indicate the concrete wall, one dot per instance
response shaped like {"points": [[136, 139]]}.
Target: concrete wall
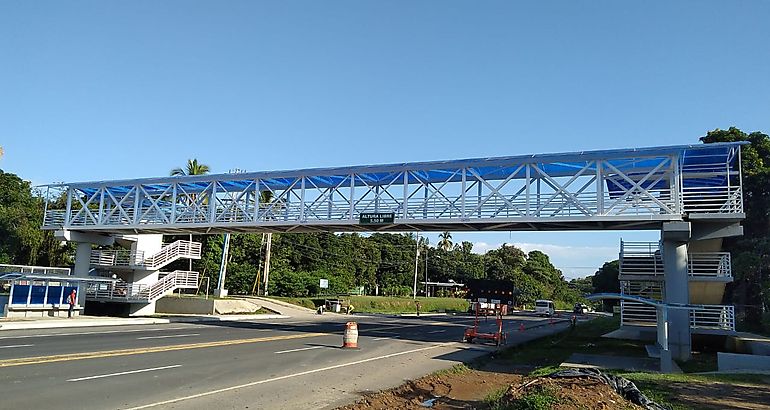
{"points": [[736, 361], [192, 306], [706, 292]]}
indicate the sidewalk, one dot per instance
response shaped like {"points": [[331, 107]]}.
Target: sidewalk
{"points": [[93, 321]]}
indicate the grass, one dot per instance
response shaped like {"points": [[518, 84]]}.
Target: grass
{"points": [[539, 398], [494, 400], [386, 304], [585, 338], [459, 368]]}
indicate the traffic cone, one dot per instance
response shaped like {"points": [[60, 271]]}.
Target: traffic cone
{"points": [[521, 327]]}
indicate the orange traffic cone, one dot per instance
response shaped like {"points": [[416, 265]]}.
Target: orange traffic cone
{"points": [[521, 327]]}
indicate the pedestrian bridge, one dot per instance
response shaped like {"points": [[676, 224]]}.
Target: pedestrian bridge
{"points": [[636, 188]]}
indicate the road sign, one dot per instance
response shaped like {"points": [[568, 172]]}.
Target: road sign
{"points": [[324, 283], [376, 218]]}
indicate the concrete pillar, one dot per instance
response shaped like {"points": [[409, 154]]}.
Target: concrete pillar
{"points": [[82, 259], [82, 266], [675, 236], [150, 245]]}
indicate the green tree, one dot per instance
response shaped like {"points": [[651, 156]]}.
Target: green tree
{"points": [[21, 239]]}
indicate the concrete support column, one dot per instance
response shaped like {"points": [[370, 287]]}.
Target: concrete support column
{"points": [[82, 259], [82, 266], [675, 236]]}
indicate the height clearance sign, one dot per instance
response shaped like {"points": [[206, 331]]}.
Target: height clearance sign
{"points": [[376, 218]]}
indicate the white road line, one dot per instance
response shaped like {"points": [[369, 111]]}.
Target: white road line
{"points": [[289, 376], [167, 336], [300, 349], [387, 337], [92, 333], [12, 346], [101, 376], [438, 331]]}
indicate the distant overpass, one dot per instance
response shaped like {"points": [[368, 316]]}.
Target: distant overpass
{"points": [[638, 188]]}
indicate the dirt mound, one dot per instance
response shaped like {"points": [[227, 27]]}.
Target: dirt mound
{"points": [[461, 390], [565, 393]]}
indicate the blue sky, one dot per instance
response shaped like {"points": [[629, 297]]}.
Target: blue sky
{"points": [[98, 90]]}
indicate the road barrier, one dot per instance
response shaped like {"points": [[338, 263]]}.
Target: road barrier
{"points": [[350, 337]]}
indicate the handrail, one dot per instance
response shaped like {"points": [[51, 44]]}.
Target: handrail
{"points": [[142, 292], [167, 254], [645, 258], [719, 317]]}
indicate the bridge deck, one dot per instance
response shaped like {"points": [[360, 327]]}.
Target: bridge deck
{"points": [[615, 189]]}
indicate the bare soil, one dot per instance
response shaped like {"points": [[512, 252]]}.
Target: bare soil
{"points": [[468, 389], [465, 390], [720, 396]]}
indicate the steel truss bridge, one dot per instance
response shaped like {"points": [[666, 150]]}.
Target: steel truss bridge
{"points": [[613, 189]]}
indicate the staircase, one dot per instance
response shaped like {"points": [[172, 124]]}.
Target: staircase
{"points": [[136, 259], [642, 274], [140, 292]]}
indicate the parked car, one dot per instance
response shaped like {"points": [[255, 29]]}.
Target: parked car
{"points": [[544, 307]]}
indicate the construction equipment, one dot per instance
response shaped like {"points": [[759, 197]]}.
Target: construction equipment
{"points": [[498, 337]]}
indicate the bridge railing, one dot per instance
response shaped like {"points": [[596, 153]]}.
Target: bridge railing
{"points": [[450, 207]]}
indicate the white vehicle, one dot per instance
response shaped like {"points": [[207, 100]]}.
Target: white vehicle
{"points": [[544, 307]]}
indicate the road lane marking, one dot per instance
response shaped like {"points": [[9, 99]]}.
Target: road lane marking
{"points": [[387, 337], [12, 346], [127, 352], [92, 333], [101, 376], [289, 376], [438, 331], [167, 336], [300, 349]]}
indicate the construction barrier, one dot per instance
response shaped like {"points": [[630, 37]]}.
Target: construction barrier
{"points": [[350, 337]]}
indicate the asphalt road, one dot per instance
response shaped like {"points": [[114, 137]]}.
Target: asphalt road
{"points": [[281, 363]]}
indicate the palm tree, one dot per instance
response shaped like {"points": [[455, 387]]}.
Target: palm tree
{"points": [[193, 168], [446, 241]]}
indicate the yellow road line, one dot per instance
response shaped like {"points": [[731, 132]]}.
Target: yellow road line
{"points": [[127, 352]]}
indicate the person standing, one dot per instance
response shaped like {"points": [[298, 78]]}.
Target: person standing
{"points": [[72, 299]]}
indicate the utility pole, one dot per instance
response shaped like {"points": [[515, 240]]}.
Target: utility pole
{"points": [[416, 256], [266, 273]]}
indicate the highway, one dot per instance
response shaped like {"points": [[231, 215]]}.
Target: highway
{"points": [[281, 363]]}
